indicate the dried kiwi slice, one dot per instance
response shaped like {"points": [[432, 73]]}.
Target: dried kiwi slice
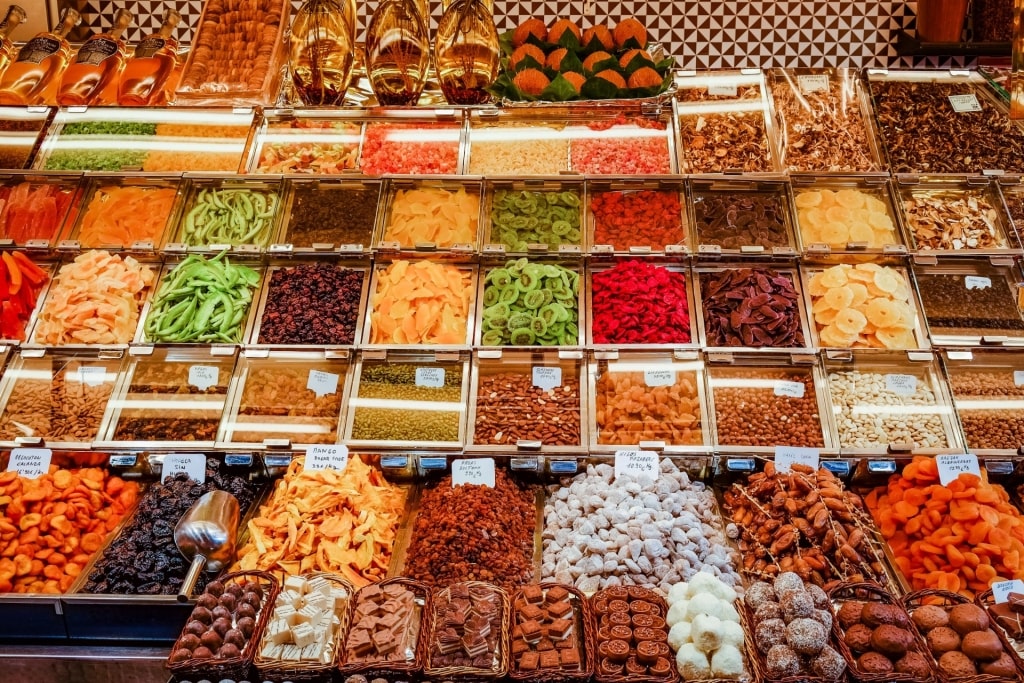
{"points": [[517, 320], [492, 338], [490, 296], [522, 336]]}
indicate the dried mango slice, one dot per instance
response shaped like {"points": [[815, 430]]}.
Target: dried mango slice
{"points": [[420, 302], [435, 215]]}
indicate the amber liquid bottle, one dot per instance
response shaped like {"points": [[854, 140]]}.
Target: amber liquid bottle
{"points": [[397, 52], [15, 15], [96, 65], [466, 52], [323, 51], [40, 62], [146, 73]]}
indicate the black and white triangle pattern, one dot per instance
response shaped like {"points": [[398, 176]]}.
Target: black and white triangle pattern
{"points": [[701, 34]]}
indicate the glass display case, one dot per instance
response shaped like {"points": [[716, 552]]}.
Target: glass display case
{"points": [[412, 142], [328, 214], [21, 132], [627, 216], [36, 207], [534, 217], [306, 142], [738, 217], [121, 212], [988, 394], [846, 214], [532, 301], [430, 216], [236, 213]]}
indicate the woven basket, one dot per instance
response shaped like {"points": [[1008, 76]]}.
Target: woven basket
{"points": [[948, 600], [470, 673], [985, 600], [304, 672], [392, 670], [872, 592], [234, 667], [585, 635], [759, 665], [628, 593]]}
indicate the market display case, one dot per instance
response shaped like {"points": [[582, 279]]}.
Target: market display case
{"points": [[327, 215], [637, 217], [890, 402], [535, 217], [169, 140], [1012, 190], [739, 217], [517, 143], [237, 213], [437, 217], [313, 142], [37, 207], [21, 133], [987, 388], [759, 402], [531, 301]]}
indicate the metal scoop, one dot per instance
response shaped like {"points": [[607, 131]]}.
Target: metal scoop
{"points": [[205, 535]]}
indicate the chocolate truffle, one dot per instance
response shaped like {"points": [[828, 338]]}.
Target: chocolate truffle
{"points": [[782, 662], [787, 582], [891, 640], [956, 664], [196, 628], [982, 646], [914, 664], [179, 655], [212, 640], [966, 617], [806, 636], [203, 652], [829, 664], [189, 641], [942, 639], [758, 593], [824, 617], [769, 633], [229, 651], [206, 600], [874, 663], [215, 588], [858, 638], [930, 616], [1000, 667], [767, 610], [796, 605], [819, 596], [877, 613], [849, 613]]}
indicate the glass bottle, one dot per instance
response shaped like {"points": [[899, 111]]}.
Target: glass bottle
{"points": [[151, 64], [40, 62], [466, 52], [323, 50], [96, 65], [15, 15], [397, 52]]}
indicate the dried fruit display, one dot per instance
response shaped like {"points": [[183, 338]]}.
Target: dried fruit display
{"points": [[953, 220], [755, 307], [841, 217], [639, 303]]}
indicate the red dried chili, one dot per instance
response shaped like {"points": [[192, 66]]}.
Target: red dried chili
{"points": [[640, 303]]}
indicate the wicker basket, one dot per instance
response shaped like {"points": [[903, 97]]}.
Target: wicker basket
{"points": [[948, 600], [304, 672], [394, 670], [470, 673], [234, 667], [585, 635], [759, 665], [985, 600], [628, 593], [872, 592]]}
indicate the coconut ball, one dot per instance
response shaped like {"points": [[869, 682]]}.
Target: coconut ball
{"points": [[728, 612], [818, 595], [767, 610], [732, 634], [769, 633], [727, 662], [706, 632], [806, 636], [829, 664], [705, 603], [702, 582], [678, 592], [677, 612], [692, 663], [787, 582], [758, 593], [796, 605], [783, 662], [679, 635]]}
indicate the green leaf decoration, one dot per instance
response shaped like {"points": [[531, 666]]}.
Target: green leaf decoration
{"points": [[560, 90], [599, 89]]}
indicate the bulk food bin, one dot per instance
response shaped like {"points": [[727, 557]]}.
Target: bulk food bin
{"points": [[285, 399], [637, 217], [21, 132], [38, 207], [241, 214], [846, 214], [758, 402], [66, 544], [890, 402], [289, 141], [653, 400], [23, 307], [943, 122], [987, 391], [824, 120], [725, 123], [1012, 190], [325, 215], [738, 218], [152, 139], [439, 217], [533, 216], [527, 402], [411, 142], [125, 212], [169, 397], [970, 302]]}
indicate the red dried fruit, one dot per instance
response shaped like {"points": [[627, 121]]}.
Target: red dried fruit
{"points": [[640, 303]]}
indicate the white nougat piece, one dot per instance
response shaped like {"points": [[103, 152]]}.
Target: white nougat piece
{"points": [[318, 600], [297, 584], [310, 615], [287, 614], [279, 632], [320, 585], [341, 597], [303, 635]]}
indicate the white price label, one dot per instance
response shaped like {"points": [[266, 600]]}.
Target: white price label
{"points": [[192, 464], [659, 378], [547, 378], [326, 457], [952, 466], [902, 385], [787, 456], [722, 90], [479, 471], [963, 104], [636, 463], [790, 389], [30, 463], [977, 282], [430, 377], [322, 383], [1018, 377], [92, 375], [203, 377], [1001, 590], [813, 82]]}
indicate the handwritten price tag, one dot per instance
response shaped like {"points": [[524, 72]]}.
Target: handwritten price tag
{"points": [[787, 456], [430, 377], [636, 463], [547, 378], [813, 83], [1001, 590], [902, 385], [977, 282], [327, 457], [30, 463], [659, 378], [92, 375], [322, 383], [203, 377], [952, 466], [192, 464], [479, 471], [722, 90], [790, 389], [963, 104]]}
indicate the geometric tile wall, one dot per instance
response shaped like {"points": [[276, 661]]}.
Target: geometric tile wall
{"points": [[701, 34]]}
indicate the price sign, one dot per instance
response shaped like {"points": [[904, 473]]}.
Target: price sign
{"points": [[787, 456], [326, 457], [430, 377], [790, 389], [92, 375], [547, 378], [952, 466], [977, 282], [479, 471], [1018, 377], [203, 377], [30, 463], [636, 463], [192, 464], [902, 385], [963, 104], [722, 90], [322, 383], [1001, 590], [813, 83], [659, 378]]}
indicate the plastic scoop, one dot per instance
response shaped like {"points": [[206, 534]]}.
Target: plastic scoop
{"points": [[205, 535]]}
